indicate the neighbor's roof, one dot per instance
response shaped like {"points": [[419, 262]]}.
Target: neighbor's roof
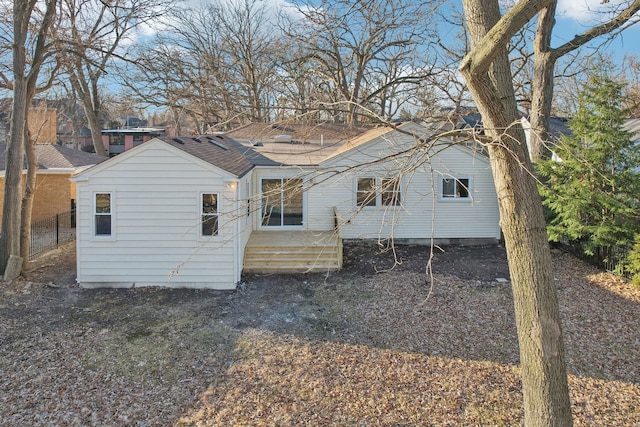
{"points": [[361, 139], [143, 131], [405, 130], [300, 144], [218, 150], [299, 132], [53, 156]]}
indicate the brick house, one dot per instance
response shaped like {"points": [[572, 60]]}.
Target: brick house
{"points": [[55, 193]]}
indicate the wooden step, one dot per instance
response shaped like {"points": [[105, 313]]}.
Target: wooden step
{"points": [[292, 252]]}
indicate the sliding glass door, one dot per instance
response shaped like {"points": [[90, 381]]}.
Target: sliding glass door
{"points": [[281, 202]]}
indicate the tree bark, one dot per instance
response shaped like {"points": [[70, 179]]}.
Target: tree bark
{"points": [[24, 89], [486, 69], [96, 130], [542, 91], [545, 59], [87, 91], [27, 198], [15, 148]]}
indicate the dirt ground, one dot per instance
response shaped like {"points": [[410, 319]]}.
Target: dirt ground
{"points": [[368, 345], [485, 262]]}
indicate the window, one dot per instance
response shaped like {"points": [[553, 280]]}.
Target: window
{"points": [[375, 191], [282, 202], [390, 191], [366, 192], [103, 214], [455, 188], [209, 217], [137, 139], [116, 139]]}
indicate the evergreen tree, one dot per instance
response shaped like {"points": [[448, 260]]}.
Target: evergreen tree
{"points": [[592, 193]]}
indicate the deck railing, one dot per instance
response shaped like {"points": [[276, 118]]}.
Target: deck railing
{"points": [[49, 233]]}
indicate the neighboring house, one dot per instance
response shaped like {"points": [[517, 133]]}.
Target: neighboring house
{"points": [[74, 136], [559, 126], [118, 141], [300, 133], [197, 212], [633, 127], [54, 192]]}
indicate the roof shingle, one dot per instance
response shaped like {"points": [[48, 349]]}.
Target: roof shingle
{"points": [[53, 156]]}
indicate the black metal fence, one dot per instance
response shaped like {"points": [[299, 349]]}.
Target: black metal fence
{"points": [[49, 233], [607, 258]]}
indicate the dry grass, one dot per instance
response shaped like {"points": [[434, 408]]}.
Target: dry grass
{"points": [[346, 350]]}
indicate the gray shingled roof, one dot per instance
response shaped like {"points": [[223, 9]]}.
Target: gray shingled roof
{"points": [[53, 156], [220, 151]]}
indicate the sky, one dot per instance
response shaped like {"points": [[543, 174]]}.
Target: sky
{"points": [[576, 16], [572, 17]]}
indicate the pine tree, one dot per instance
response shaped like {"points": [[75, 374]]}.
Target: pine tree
{"points": [[593, 191]]}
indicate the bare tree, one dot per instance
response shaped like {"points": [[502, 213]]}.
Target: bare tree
{"points": [[250, 36], [170, 76], [300, 90], [94, 32], [546, 58], [31, 50], [214, 62], [486, 69], [365, 50]]}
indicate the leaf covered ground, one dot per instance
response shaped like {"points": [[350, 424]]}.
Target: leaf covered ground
{"points": [[366, 346]]}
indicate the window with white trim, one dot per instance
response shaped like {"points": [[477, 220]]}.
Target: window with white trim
{"points": [[366, 192], [102, 214], [390, 191], [378, 191], [209, 214], [455, 188]]}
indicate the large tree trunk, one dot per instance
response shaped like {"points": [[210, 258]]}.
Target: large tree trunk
{"points": [[27, 199], [544, 378], [542, 91], [545, 59], [96, 130], [24, 89], [15, 148], [87, 92]]}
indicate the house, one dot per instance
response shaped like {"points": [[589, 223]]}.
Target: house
{"points": [[117, 141], [559, 127], [54, 193], [198, 212]]}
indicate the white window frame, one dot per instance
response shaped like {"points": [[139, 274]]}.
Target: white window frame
{"points": [[202, 214], [457, 182], [261, 201], [110, 214], [396, 189], [373, 201], [378, 188]]}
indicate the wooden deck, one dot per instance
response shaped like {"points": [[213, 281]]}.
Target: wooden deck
{"points": [[293, 251]]}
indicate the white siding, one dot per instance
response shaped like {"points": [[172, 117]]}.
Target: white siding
{"points": [[156, 196], [279, 172], [423, 214]]}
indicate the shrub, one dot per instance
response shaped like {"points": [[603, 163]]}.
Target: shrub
{"points": [[633, 261]]}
